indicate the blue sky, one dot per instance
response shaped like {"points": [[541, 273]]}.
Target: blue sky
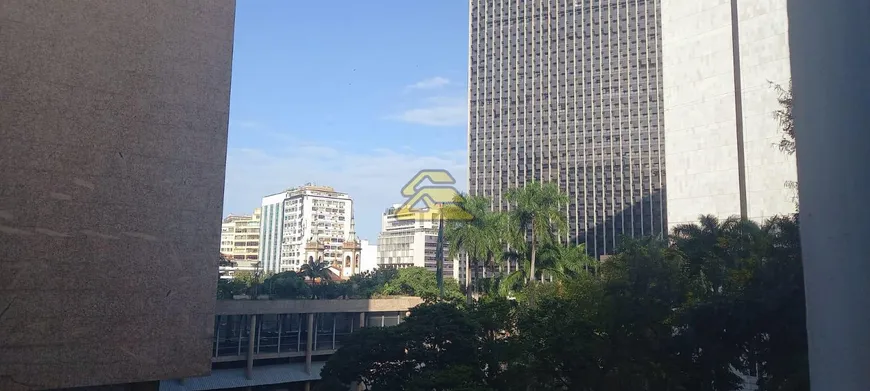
{"points": [[355, 95]]}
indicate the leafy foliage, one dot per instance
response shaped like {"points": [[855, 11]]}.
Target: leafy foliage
{"points": [[785, 116], [315, 269], [287, 285], [420, 282], [435, 348], [538, 210], [371, 283], [479, 239], [414, 281], [226, 289], [716, 302]]}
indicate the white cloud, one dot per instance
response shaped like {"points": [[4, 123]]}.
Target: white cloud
{"points": [[430, 83], [437, 111], [373, 178]]}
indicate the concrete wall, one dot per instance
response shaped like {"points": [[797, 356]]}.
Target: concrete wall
{"points": [[700, 120], [114, 127]]}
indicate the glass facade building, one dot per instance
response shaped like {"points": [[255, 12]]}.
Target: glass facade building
{"points": [[569, 92]]}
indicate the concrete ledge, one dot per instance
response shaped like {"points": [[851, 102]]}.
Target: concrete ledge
{"points": [[244, 307]]}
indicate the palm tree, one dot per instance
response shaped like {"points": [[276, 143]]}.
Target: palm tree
{"points": [[537, 209], [713, 247], [477, 237], [315, 269], [514, 280], [566, 262]]}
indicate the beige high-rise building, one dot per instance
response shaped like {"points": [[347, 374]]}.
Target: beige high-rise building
{"points": [[240, 240], [409, 243]]}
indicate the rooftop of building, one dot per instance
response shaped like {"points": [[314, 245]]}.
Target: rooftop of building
{"points": [[308, 187], [232, 217]]}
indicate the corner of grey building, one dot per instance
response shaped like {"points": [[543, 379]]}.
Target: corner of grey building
{"points": [[114, 136]]}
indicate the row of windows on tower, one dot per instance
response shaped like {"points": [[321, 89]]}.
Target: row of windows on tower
{"points": [[550, 37], [619, 51], [591, 204], [620, 11], [548, 94], [633, 188], [547, 34], [566, 138], [590, 160], [568, 146], [593, 197], [619, 112], [512, 81], [561, 55], [531, 111], [622, 176], [603, 119], [615, 151], [604, 181], [564, 75], [582, 57], [562, 109]]}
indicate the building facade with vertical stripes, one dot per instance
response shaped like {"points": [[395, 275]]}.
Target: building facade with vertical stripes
{"points": [[569, 92]]}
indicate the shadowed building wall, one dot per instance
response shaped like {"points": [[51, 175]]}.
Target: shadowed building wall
{"points": [[114, 128], [719, 61]]}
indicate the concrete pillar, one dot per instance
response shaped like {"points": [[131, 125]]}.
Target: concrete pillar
{"points": [[309, 342], [830, 62], [308, 386], [249, 369]]}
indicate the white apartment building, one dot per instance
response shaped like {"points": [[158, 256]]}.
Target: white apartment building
{"points": [[409, 243], [240, 241], [719, 59], [293, 218]]}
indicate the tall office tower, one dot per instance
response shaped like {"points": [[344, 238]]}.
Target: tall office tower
{"points": [[722, 154], [113, 140], [409, 243], [294, 218], [568, 91]]}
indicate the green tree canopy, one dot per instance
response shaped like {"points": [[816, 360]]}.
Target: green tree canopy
{"points": [[420, 282], [436, 348], [539, 210], [716, 301]]}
